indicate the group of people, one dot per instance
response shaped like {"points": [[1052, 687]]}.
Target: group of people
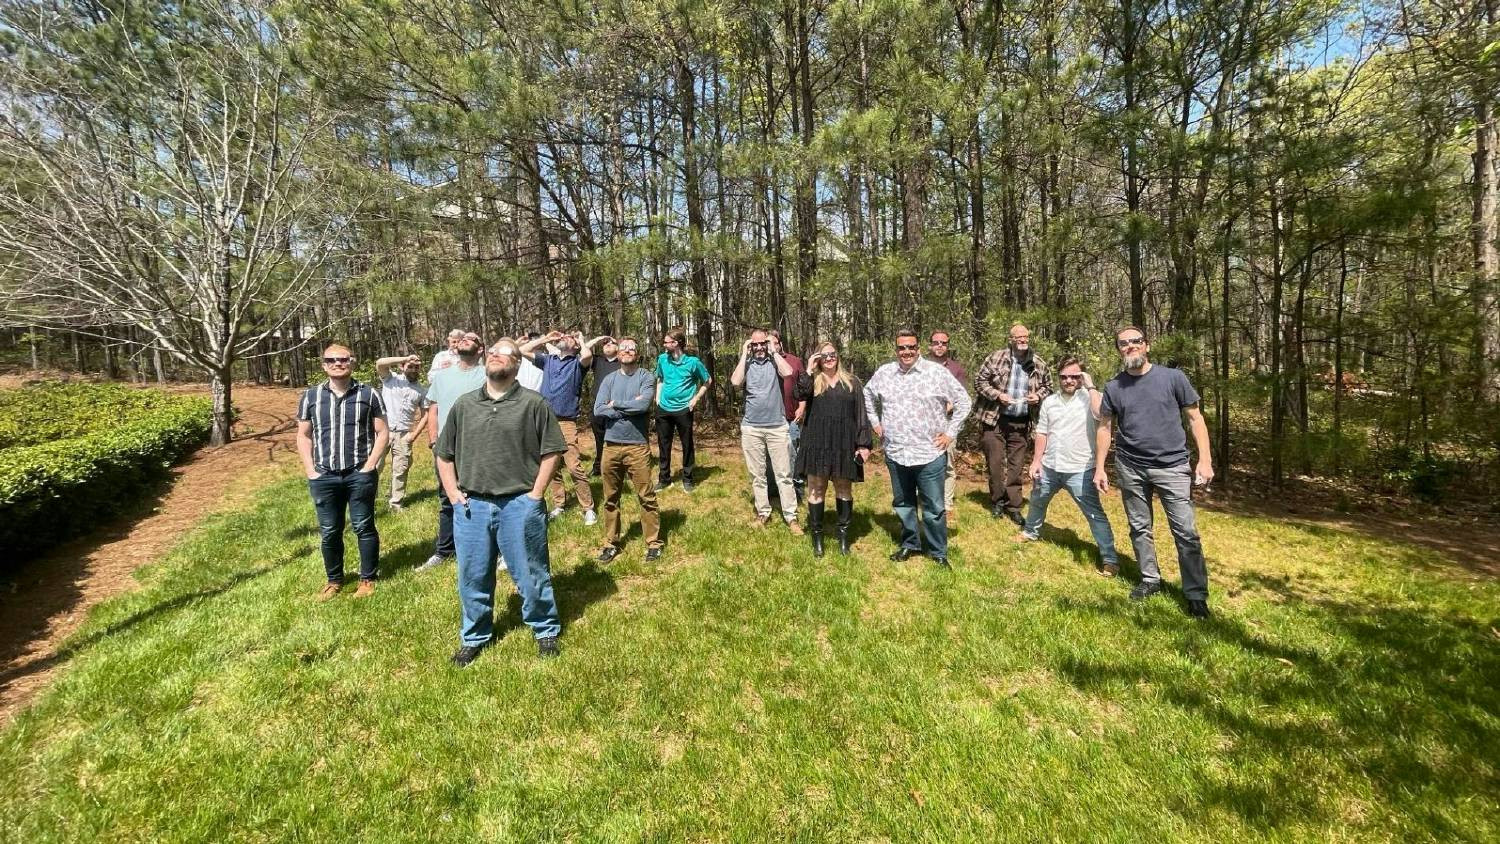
{"points": [[503, 422]]}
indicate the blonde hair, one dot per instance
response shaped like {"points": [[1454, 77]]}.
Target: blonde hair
{"points": [[821, 379]]}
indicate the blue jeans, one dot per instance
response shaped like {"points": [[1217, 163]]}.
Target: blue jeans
{"points": [[1080, 485], [1174, 487], [514, 526], [331, 493], [908, 483], [793, 442]]}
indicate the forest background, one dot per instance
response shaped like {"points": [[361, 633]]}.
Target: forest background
{"points": [[1297, 200]]}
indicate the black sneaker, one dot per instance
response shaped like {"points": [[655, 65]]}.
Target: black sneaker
{"points": [[687, 484], [1145, 589], [546, 647], [942, 562], [902, 554], [653, 554], [466, 654], [608, 553], [661, 486], [1197, 609], [1015, 516]]}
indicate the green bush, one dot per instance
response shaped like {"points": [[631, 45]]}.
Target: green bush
{"points": [[66, 485]]}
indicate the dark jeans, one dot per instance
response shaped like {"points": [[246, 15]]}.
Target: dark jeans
{"points": [[667, 424], [332, 492], [1005, 456], [910, 483], [596, 424], [445, 519]]}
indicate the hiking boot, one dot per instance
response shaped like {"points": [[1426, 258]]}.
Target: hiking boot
{"points": [[794, 528], [608, 552], [365, 590], [1145, 589], [466, 654], [1197, 608], [329, 590], [1109, 570], [653, 554], [546, 647]]}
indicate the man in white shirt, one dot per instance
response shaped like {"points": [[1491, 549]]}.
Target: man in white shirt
{"points": [[1063, 458], [446, 357], [405, 415]]}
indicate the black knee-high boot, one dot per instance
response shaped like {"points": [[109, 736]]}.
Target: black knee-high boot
{"points": [[815, 521], [845, 509]]}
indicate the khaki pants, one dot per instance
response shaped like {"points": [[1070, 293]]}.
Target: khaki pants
{"points": [[769, 445], [400, 465], [632, 460], [950, 478], [573, 465]]}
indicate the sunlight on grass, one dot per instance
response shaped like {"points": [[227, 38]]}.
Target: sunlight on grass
{"points": [[742, 689]]}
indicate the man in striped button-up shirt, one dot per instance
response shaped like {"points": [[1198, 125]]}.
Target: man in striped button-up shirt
{"points": [[341, 436]]}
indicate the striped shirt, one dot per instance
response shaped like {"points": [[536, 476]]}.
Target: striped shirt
{"points": [[343, 427]]}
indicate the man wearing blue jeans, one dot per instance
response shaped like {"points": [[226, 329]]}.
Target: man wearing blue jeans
{"points": [[908, 403], [341, 436], [464, 375], [1146, 403], [499, 448], [1064, 459]]}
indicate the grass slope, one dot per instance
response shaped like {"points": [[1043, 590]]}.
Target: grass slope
{"points": [[742, 690]]}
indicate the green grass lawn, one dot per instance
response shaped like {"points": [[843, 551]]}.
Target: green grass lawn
{"points": [[1346, 689]]}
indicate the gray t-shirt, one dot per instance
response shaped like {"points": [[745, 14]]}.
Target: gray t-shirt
{"points": [[1147, 410], [763, 405], [403, 401]]}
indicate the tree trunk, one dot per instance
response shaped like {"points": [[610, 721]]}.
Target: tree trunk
{"points": [[703, 330], [223, 423], [1483, 235]]}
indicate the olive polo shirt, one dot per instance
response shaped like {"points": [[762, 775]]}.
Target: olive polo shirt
{"points": [[497, 445]]}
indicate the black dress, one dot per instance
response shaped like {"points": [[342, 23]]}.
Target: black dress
{"points": [[833, 427]]}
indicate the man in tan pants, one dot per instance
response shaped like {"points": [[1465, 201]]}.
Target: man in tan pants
{"points": [[562, 384], [405, 415], [623, 401]]}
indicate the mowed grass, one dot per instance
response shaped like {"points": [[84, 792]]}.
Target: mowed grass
{"points": [[1346, 689]]}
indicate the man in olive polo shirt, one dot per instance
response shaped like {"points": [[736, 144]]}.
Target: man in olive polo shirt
{"points": [[499, 448]]}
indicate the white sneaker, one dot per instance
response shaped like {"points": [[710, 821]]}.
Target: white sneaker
{"points": [[432, 562], [556, 511], [589, 517], [396, 506]]}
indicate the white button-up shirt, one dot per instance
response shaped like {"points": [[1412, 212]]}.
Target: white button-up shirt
{"points": [[911, 406]]}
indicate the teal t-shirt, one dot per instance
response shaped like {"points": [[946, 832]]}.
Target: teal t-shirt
{"points": [[677, 382], [448, 384]]}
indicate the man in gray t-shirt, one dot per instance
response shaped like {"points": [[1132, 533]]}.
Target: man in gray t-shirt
{"points": [[764, 437], [1146, 403]]}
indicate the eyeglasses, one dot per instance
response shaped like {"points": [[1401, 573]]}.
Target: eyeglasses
{"points": [[1024, 338], [1130, 341], [337, 360], [503, 351], [626, 350], [939, 342], [1071, 377], [906, 347]]}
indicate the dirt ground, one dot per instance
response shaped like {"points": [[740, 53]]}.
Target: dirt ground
{"points": [[46, 599]]}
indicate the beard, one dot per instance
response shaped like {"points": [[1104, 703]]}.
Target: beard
{"points": [[502, 372], [1021, 354], [1135, 360]]}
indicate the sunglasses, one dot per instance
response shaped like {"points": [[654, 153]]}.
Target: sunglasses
{"points": [[626, 350], [502, 352], [1130, 341], [828, 356], [1026, 339], [939, 342], [906, 347], [1071, 377], [759, 345], [337, 360]]}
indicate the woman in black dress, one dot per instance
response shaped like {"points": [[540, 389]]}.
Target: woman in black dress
{"points": [[835, 440]]}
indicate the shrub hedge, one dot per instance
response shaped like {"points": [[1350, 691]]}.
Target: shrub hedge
{"points": [[66, 485]]}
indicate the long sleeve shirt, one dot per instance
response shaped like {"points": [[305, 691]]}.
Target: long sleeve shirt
{"points": [[912, 407], [632, 394]]}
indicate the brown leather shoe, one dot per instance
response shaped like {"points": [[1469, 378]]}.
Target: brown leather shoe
{"points": [[366, 589], [329, 590], [762, 521], [794, 527], [952, 518]]}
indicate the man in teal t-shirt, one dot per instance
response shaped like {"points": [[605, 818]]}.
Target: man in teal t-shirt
{"points": [[681, 381], [465, 376]]}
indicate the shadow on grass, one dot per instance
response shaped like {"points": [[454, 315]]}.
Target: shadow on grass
{"points": [[79, 644], [1407, 707]]}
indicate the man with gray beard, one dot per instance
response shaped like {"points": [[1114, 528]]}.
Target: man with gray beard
{"points": [[1145, 403], [499, 448]]}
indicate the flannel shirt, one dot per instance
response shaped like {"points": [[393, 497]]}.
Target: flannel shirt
{"points": [[992, 385]]}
